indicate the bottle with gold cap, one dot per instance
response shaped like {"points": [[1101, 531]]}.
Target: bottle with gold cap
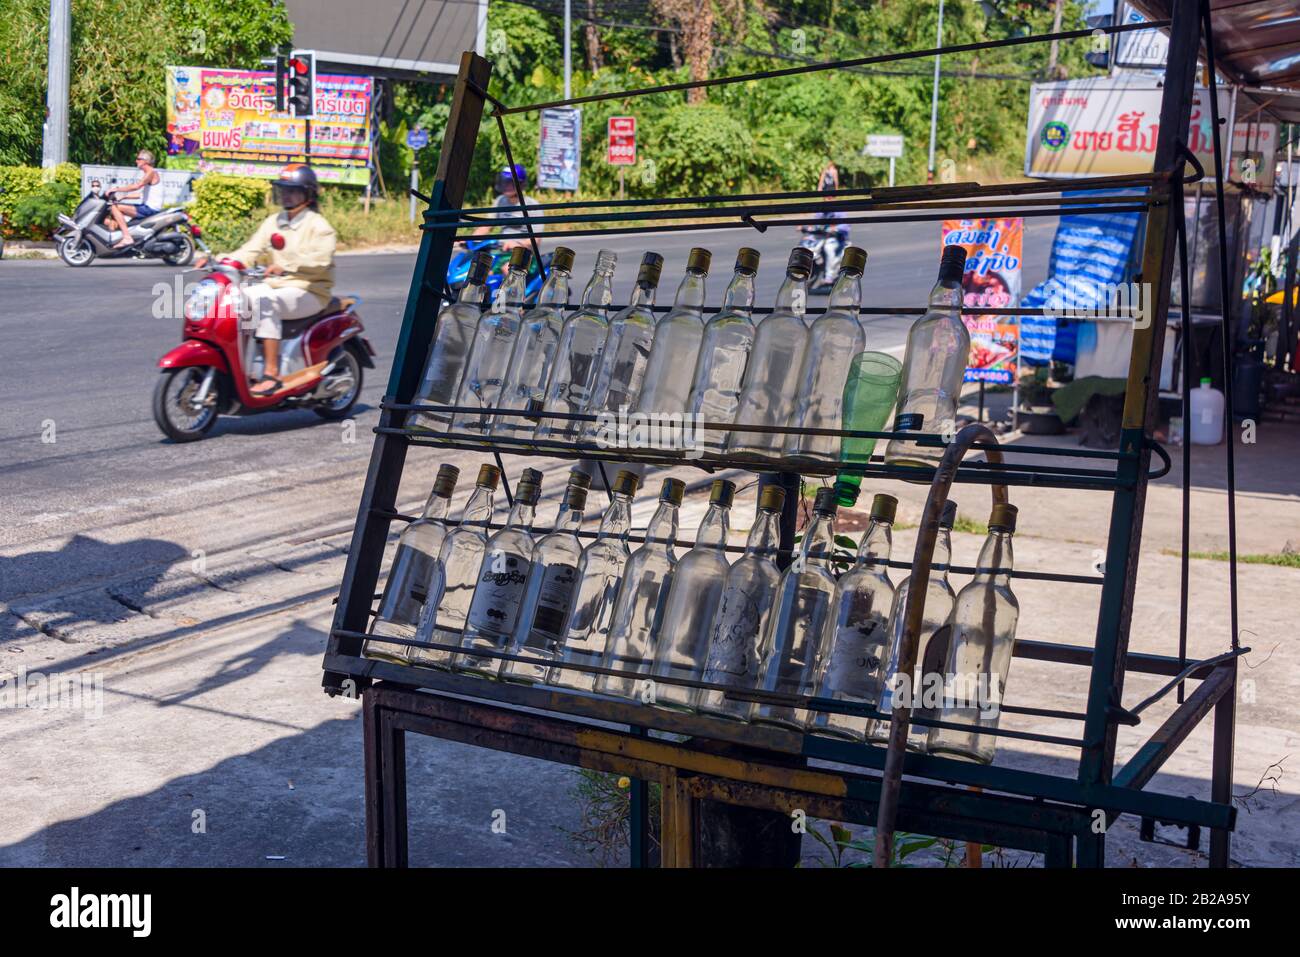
{"points": [[724, 352], [681, 639], [534, 351], [667, 384], [737, 627], [983, 624], [934, 365], [627, 351], [577, 355], [449, 352], [858, 630], [552, 587], [833, 340], [501, 582], [599, 572], [641, 594], [931, 643], [793, 639], [451, 586], [417, 550], [494, 340], [771, 383]]}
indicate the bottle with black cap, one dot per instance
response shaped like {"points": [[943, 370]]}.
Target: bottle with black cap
{"points": [[417, 550], [737, 629], [577, 355], [640, 597], [534, 351], [494, 340], [501, 582], [833, 340], [552, 587], [931, 643], [796, 628], [769, 389], [681, 640], [938, 348], [858, 630], [983, 627], [452, 340], [724, 352], [627, 349], [451, 584], [599, 572], [677, 342]]}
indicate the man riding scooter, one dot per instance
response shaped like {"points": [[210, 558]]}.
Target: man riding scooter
{"points": [[297, 244]]}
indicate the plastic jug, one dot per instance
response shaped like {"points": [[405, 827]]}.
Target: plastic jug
{"points": [[1207, 415]]}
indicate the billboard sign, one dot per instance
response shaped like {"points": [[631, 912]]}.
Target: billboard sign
{"points": [[621, 148], [559, 151], [992, 279], [228, 118]]}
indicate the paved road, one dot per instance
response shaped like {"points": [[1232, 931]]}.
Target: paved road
{"points": [[109, 494]]}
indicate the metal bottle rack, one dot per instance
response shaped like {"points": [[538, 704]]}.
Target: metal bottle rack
{"points": [[759, 767]]}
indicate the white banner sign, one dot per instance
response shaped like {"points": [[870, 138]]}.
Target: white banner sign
{"points": [[173, 189]]}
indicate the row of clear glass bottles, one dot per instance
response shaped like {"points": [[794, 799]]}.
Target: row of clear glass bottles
{"points": [[534, 376], [746, 641]]}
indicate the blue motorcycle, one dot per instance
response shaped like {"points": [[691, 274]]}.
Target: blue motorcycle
{"points": [[458, 268]]}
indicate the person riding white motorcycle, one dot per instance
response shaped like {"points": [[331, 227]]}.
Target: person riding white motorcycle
{"points": [[297, 244]]}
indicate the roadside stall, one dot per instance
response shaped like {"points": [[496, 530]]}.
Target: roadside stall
{"points": [[779, 763]]}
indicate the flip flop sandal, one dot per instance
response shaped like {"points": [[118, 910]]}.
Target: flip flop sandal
{"points": [[261, 391]]}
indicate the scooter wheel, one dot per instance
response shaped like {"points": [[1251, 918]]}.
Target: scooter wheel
{"points": [[76, 254], [171, 405]]}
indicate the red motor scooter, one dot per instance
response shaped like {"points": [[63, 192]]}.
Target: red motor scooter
{"points": [[211, 372]]}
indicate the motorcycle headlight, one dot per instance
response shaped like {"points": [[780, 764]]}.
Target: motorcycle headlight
{"points": [[201, 300]]}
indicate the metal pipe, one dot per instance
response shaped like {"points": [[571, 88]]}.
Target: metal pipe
{"points": [[913, 616]]}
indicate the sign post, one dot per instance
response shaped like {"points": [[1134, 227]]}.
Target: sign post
{"points": [[417, 139], [621, 148], [885, 146]]}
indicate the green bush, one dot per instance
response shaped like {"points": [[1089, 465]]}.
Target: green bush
{"points": [[700, 149], [40, 197], [227, 199]]}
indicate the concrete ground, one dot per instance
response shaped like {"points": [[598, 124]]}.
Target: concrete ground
{"points": [[212, 713]]}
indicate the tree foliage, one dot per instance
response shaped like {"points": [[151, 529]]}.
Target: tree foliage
{"points": [[119, 49]]}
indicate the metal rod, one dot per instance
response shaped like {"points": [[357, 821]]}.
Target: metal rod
{"points": [[913, 616]]}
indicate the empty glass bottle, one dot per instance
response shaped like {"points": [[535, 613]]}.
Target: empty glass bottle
{"points": [[858, 632], [646, 580], [931, 643], [834, 339], [552, 586], [451, 586], [501, 582], [724, 353], [794, 636], [600, 570], [578, 354], [983, 627], [681, 645], [417, 550], [770, 387], [933, 367], [494, 340], [667, 383], [737, 628], [627, 349], [534, 351], [449, 351]]}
